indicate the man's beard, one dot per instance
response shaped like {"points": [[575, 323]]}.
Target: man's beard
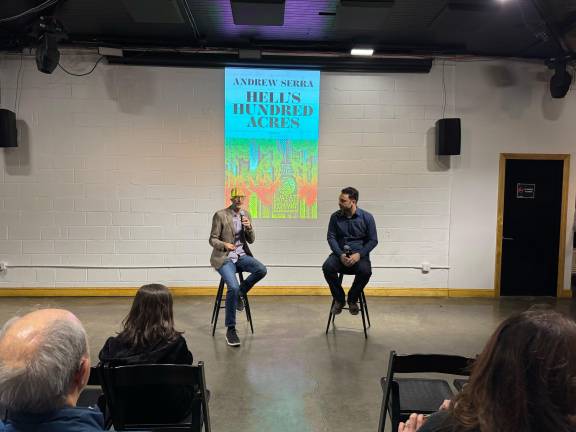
{"points": [[346, 210]]}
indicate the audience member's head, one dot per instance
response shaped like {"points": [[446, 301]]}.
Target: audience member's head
{"points": [[525, 379], [44, 361], [151, 318]]}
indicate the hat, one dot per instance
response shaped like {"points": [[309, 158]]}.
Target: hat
{"points": [[236, 192]]}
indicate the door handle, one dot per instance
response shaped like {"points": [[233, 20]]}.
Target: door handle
{"points": [[507, 238]]}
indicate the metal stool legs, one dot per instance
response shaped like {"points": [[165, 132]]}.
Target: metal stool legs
{"points": [[218, 305], [248, 313], [217, 302], [363, 310], [363, 298]]}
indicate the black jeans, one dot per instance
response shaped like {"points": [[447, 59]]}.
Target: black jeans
{"points": [[362, 269]]}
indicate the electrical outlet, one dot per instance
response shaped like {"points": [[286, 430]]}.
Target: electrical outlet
{"points": [[425, 267]]}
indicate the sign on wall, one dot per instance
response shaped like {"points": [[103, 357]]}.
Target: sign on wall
{"points": [[525, 190], [271, 140]]}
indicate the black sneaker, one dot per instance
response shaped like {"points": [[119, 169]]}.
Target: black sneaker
{"points": [[240, 304], [232, 338], [337, 308], [353, 308]]}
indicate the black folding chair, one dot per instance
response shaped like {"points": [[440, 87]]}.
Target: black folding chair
{"points": [[92, 391], [363, 310], [218, 305], [460, 383], [121, 383], [403, 396]]}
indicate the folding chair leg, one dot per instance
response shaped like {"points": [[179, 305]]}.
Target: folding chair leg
{"points": [[330, 317], [363, 320], [366, 308], [248, 313], [206, 417]]}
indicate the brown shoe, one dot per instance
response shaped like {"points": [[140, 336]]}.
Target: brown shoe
{"points": [[353, 308], [337, 307]]}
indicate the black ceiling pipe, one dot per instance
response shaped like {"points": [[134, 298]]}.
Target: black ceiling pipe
{"points": [[342, 64]]}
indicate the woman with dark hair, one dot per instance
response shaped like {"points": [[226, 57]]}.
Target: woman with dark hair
{"points": [[148, 337], [523, 381]]}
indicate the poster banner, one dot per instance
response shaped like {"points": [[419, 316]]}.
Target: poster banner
{"points": [[271, 140]]}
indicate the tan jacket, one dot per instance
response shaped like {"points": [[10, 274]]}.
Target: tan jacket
{"points": [[223, 232]]}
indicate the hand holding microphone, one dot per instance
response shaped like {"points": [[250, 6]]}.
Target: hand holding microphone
{"points": [[345, 258], [244, 220], [349, 258]]}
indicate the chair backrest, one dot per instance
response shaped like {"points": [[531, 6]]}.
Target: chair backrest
{"points": [[419, 363], [430, 363], [94, 378], [125, 386]]}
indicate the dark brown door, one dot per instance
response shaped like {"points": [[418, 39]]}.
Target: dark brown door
{"points": [[531, 227]]}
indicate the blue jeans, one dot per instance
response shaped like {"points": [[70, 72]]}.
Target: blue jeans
{"points": [[228, 272]]}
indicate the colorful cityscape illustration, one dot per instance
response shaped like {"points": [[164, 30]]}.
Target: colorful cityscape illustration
{"points": [[271, 141]]}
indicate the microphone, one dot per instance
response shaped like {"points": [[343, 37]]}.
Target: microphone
{"points": [[347, 251], [242, 215]]}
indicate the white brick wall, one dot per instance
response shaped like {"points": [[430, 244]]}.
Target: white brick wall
{"points": [[124, 168]]}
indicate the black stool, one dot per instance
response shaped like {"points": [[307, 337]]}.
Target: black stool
{"points": [[363, 310], [218, 305]]}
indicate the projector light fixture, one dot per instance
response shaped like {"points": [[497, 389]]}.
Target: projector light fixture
{"points": [[362, 51]]}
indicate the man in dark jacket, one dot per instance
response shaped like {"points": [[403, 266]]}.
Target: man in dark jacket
{"points": [[351, 236], [44, 365]]}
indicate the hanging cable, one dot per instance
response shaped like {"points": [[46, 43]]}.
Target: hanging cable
{"points": [[17, 98], [444, 88], [191, 19], [35, 9], [85, 73]]}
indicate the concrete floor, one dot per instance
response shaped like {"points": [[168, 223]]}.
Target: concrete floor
{"points": [[289, 376]]}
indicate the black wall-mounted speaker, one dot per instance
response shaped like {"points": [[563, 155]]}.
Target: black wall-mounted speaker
{"points": [[8, 134], [448, 137]]}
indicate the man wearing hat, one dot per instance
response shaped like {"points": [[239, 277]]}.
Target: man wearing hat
{"points": [[231, 232]]}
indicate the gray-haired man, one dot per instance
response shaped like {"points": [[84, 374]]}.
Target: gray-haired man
{"points": [[44, 365]]}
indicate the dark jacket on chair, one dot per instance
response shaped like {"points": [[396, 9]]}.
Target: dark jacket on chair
{"points": [[158, 405]]}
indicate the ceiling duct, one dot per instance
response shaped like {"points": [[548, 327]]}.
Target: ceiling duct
{"points": [[258, 12], [249, 54], [363, 14], [464, 15], [154, 12], [285, 60]]}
